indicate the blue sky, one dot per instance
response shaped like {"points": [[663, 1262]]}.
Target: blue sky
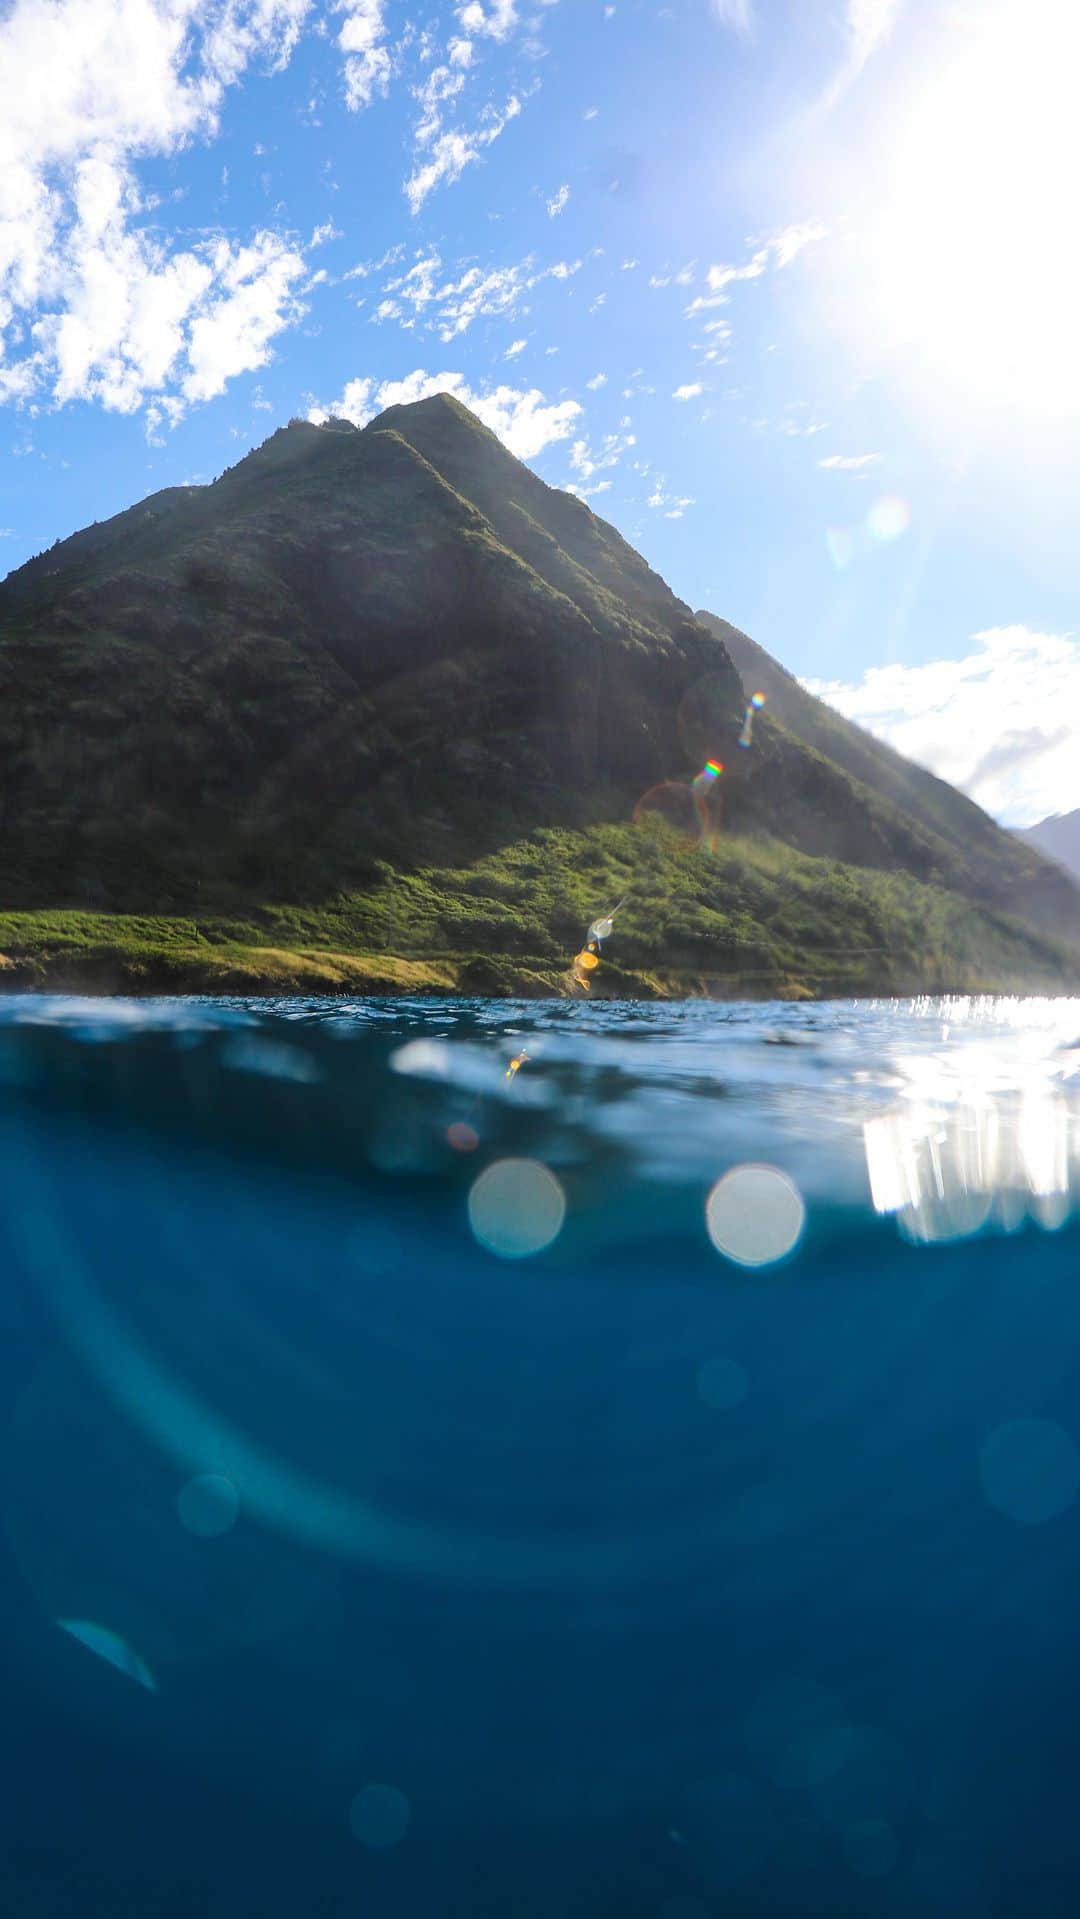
{"points": [[787, 291]]}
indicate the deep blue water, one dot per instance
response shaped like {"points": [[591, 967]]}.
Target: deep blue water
{"points": [[354, 1566]]}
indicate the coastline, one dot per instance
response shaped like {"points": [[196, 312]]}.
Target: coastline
{"points": [[220, 969]]}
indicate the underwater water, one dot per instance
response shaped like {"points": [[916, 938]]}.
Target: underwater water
{"points": [[641, 1479]]}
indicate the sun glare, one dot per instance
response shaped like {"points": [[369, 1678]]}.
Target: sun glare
{"points": [[970, 257]]}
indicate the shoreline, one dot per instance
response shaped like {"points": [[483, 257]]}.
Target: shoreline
{"points": [[279, 972]]}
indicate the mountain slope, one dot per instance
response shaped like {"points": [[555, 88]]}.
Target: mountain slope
{"points": [[384, 692], [1057, 839], [330, 655], [964, 846]]}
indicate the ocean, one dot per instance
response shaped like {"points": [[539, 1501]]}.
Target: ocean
{"points": [[500, 1460]]}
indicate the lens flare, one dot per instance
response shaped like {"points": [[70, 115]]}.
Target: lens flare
{"points": [[1030, 1470], [379, 1816], [516, 1208], [756, 702], [208, 1505], [672, 802], [888, 518], [109, 1646], [601, 928], [584, 964], [755, 1215], [708, 805]]}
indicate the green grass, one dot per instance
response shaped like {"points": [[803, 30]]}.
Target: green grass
{"points": [[752, 919]]}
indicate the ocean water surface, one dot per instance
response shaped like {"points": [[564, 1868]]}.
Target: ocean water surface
{"points": [[505, 1461]]}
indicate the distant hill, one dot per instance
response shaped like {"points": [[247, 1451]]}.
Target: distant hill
{"points": [[1058, 838], [385, 693]]}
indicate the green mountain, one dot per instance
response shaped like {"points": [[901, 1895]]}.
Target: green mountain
{"points": [[380, 707]]}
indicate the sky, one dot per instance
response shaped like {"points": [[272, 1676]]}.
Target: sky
{"points": [[786, 289]]}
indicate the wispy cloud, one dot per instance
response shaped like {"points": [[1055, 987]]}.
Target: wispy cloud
{"points": [[672, 506], [849, 462], [1002, 722], [557, 202], [454, 149], [775, 253], [688, 392], [430, 297], [587, 461]]}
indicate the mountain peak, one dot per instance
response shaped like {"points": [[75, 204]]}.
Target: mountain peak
{"points": [[441, 419]]}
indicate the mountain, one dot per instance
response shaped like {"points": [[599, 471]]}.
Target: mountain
{"points": [[381, 707], [1058, 839], [957, 842], [352, 645]]}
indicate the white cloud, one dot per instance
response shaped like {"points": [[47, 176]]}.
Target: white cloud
{"points": [[367, 58], [522, 419], [786, 245], [587, 460], [848, 462], [598, 380], [869, 24], [104, 310], [669, 504], [423, 295], [688, 392], [453, 150], [557, 202], [1002, 723], [776, 252], [443, 152], [496, 21], [515, 347], [251, 301]]}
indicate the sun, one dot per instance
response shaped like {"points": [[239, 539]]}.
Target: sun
{"points": [[968, 255]]}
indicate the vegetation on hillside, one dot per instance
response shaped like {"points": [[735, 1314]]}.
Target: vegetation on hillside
{"points": [[377, 709], [753, 919]]}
